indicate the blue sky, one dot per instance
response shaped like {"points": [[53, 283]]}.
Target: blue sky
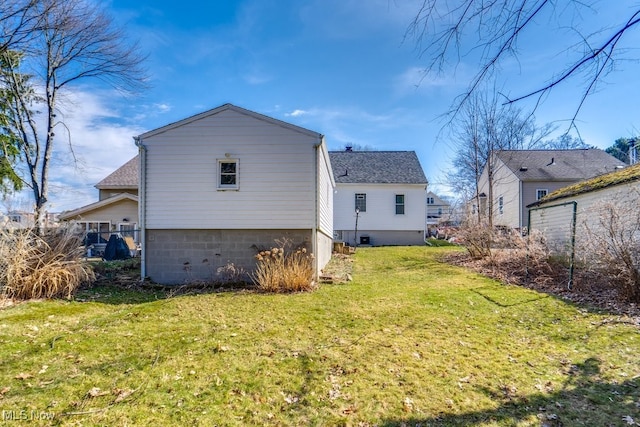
{"points": [[338, 67]]}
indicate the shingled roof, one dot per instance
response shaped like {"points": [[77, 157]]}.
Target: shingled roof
{"points": [[376, 167], [126, 176], [558, 165]]}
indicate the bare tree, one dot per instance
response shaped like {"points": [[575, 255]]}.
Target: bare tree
{"points": [[483, 127], [608, 242], [18, 20], [74, 40], [441, 26]]}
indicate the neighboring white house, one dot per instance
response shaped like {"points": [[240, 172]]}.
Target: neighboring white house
{"points": [[217, 186], [384, 191], [521, 177], [438, 211]]}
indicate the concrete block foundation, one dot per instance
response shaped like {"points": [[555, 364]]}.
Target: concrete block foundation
{"points": [[187, 256]]}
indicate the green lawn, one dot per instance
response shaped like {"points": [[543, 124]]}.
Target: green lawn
{"points": [[410, 341]]}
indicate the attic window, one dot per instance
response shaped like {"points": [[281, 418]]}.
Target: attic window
{"points": [[541, 192], [228, 174]]}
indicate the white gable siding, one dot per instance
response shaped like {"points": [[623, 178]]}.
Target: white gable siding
{"points": [[381, 207], [276, 174]]}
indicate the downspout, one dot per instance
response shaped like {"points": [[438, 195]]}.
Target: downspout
{"points": [[520, 204], [424, 203], [142, 187], [314, 229]]}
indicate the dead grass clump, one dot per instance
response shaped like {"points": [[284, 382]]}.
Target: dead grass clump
{"points": [[47, 266], [284, 269]]}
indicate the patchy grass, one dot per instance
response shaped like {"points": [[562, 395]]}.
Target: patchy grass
{"points": [[409, 341]]}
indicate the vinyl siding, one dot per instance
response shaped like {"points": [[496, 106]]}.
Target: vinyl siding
{"points": [[381, 207], [507, 186], [529, 193], [113, 213], [515, 196], [325, 192], [276, 174], [554, 218]]}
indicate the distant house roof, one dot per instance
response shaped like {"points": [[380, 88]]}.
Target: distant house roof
{"points": [[437, 201], [558, 165], [628, 174], [376, 167], [126, 176]]}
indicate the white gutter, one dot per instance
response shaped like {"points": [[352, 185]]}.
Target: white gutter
{"points": [[142, 202]]}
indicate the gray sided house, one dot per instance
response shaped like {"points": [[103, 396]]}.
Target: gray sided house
{"points": [[521, 177], [388, 189], [217, 186]]}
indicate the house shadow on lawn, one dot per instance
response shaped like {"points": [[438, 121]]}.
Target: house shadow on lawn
{"points": [[115, 294], [584, 399]]}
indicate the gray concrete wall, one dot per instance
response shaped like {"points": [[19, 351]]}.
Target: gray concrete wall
{"points": [[187, 256], [323, 251]]}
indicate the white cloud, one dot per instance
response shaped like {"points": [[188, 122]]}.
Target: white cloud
{"points": [[296, 113], [163, 108]]}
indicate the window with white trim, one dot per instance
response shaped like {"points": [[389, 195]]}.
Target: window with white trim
{"points": [[361, 202], [541, 192], [430, 201], [95, 231], [500, 205], [399, 204], [228, 174]]}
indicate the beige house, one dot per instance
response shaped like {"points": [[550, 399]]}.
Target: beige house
{"points": [[116, 209], [522, 177], [216, 186]]}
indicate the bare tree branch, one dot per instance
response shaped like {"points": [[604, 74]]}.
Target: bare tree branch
{"points": [[74, 40], [440, 26]]}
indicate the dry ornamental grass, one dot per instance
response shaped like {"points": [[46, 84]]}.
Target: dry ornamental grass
{"points": [[47, 266], [283, 269]]}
